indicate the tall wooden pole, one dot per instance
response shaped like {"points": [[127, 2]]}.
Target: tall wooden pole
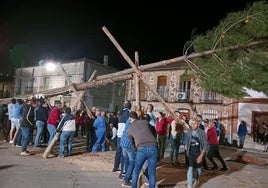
{"points": [[80, 97], [138, 72], [137, 84]]}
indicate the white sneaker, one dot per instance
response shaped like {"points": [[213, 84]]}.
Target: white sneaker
{"points": [[25, 153], [196, 182], [11, 141]]}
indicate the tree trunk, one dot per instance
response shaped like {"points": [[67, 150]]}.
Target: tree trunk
{"points": [[77, 86]]}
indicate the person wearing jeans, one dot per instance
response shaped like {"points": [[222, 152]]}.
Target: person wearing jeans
{"points": [[67, 129], [122, 118], [175, 140], [144, 143], [39, 127], [40, 116], [128, 153], [26, 122], [242, 132], [196, 147], [53, 121]]}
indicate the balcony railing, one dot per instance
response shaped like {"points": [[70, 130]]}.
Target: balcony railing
{"points": [[184, 96], [210, 97], [163, 92]]}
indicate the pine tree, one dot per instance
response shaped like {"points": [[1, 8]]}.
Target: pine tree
{"points": [[231, 72]]}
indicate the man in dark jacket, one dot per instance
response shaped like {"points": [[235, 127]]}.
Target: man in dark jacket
{"points": [[26, 122], [41, 115]]}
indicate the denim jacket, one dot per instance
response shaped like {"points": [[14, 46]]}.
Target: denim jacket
{"points": [[202, 138]]}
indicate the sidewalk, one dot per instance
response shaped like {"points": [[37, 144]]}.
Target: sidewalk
{"points": [[240, 173]]}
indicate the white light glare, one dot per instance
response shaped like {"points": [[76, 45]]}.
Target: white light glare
{"points": [[50, 66]]}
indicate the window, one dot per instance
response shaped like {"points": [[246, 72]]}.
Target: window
{"points": [[18, 92], [185, 86], [142, 91], [66, 81], [162, 86], [210, 114], [46, 83]]}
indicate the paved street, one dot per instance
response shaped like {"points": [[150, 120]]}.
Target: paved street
{"points": [[74, 172]]}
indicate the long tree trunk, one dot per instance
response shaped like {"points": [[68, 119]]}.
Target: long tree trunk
{"points": [[77, 86]]}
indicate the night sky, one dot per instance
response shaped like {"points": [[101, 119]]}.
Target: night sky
{"points": [[66, 30]]}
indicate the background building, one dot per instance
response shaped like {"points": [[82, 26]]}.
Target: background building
{"points": [[6, 85], [183, 93], [31, 80]]}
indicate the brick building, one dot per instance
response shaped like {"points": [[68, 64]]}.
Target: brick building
{"points": [[184, 94]]}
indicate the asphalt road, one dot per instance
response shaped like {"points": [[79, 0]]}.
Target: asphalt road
{"points": [[35, 172]]}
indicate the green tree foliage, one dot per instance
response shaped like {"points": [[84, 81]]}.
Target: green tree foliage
{"points": [[227, 71]]}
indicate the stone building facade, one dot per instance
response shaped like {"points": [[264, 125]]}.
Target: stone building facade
{"points": [[184, 94]]}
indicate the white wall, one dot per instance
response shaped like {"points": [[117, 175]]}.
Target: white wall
{"points": [[255, 94], [245, 112]]}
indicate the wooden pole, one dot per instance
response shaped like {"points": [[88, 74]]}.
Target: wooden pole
{"points": [[78, 86], [82, 93], [50, 146], [56, 137], [137, 80], [138, 72], [164, 63]]}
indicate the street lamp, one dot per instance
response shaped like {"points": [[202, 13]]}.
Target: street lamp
{"points": [[50, 66]]}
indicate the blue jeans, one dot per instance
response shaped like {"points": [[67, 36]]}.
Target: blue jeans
{"points": [[25, 133], [39, 126], [175, 148], [183, 138], [52, 131], [145, 153], [101, 140], [66, 137], [190, 175], [17, 139], [242, 140], [129, 156]]}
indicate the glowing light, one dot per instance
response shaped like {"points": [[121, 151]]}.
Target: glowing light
{"points": [[50, 66]]}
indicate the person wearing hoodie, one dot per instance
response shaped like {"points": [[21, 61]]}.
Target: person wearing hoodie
{"points": [[67, 129]]}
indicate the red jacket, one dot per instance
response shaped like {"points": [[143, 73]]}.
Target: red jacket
{"points": [[54, 117], [161, 126], [212, 136]]}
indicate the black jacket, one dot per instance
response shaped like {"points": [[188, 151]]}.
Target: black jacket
{"points": [[27, 119]]}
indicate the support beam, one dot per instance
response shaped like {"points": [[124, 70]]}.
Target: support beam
{"points": [[138, 72], [137, 80]]}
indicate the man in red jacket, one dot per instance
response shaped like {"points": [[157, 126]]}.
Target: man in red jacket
{"points": [[213, 150], [53, 120]]}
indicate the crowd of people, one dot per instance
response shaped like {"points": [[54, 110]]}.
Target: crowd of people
{"points": [[141, 143], [34, 122], [138, 136]]}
